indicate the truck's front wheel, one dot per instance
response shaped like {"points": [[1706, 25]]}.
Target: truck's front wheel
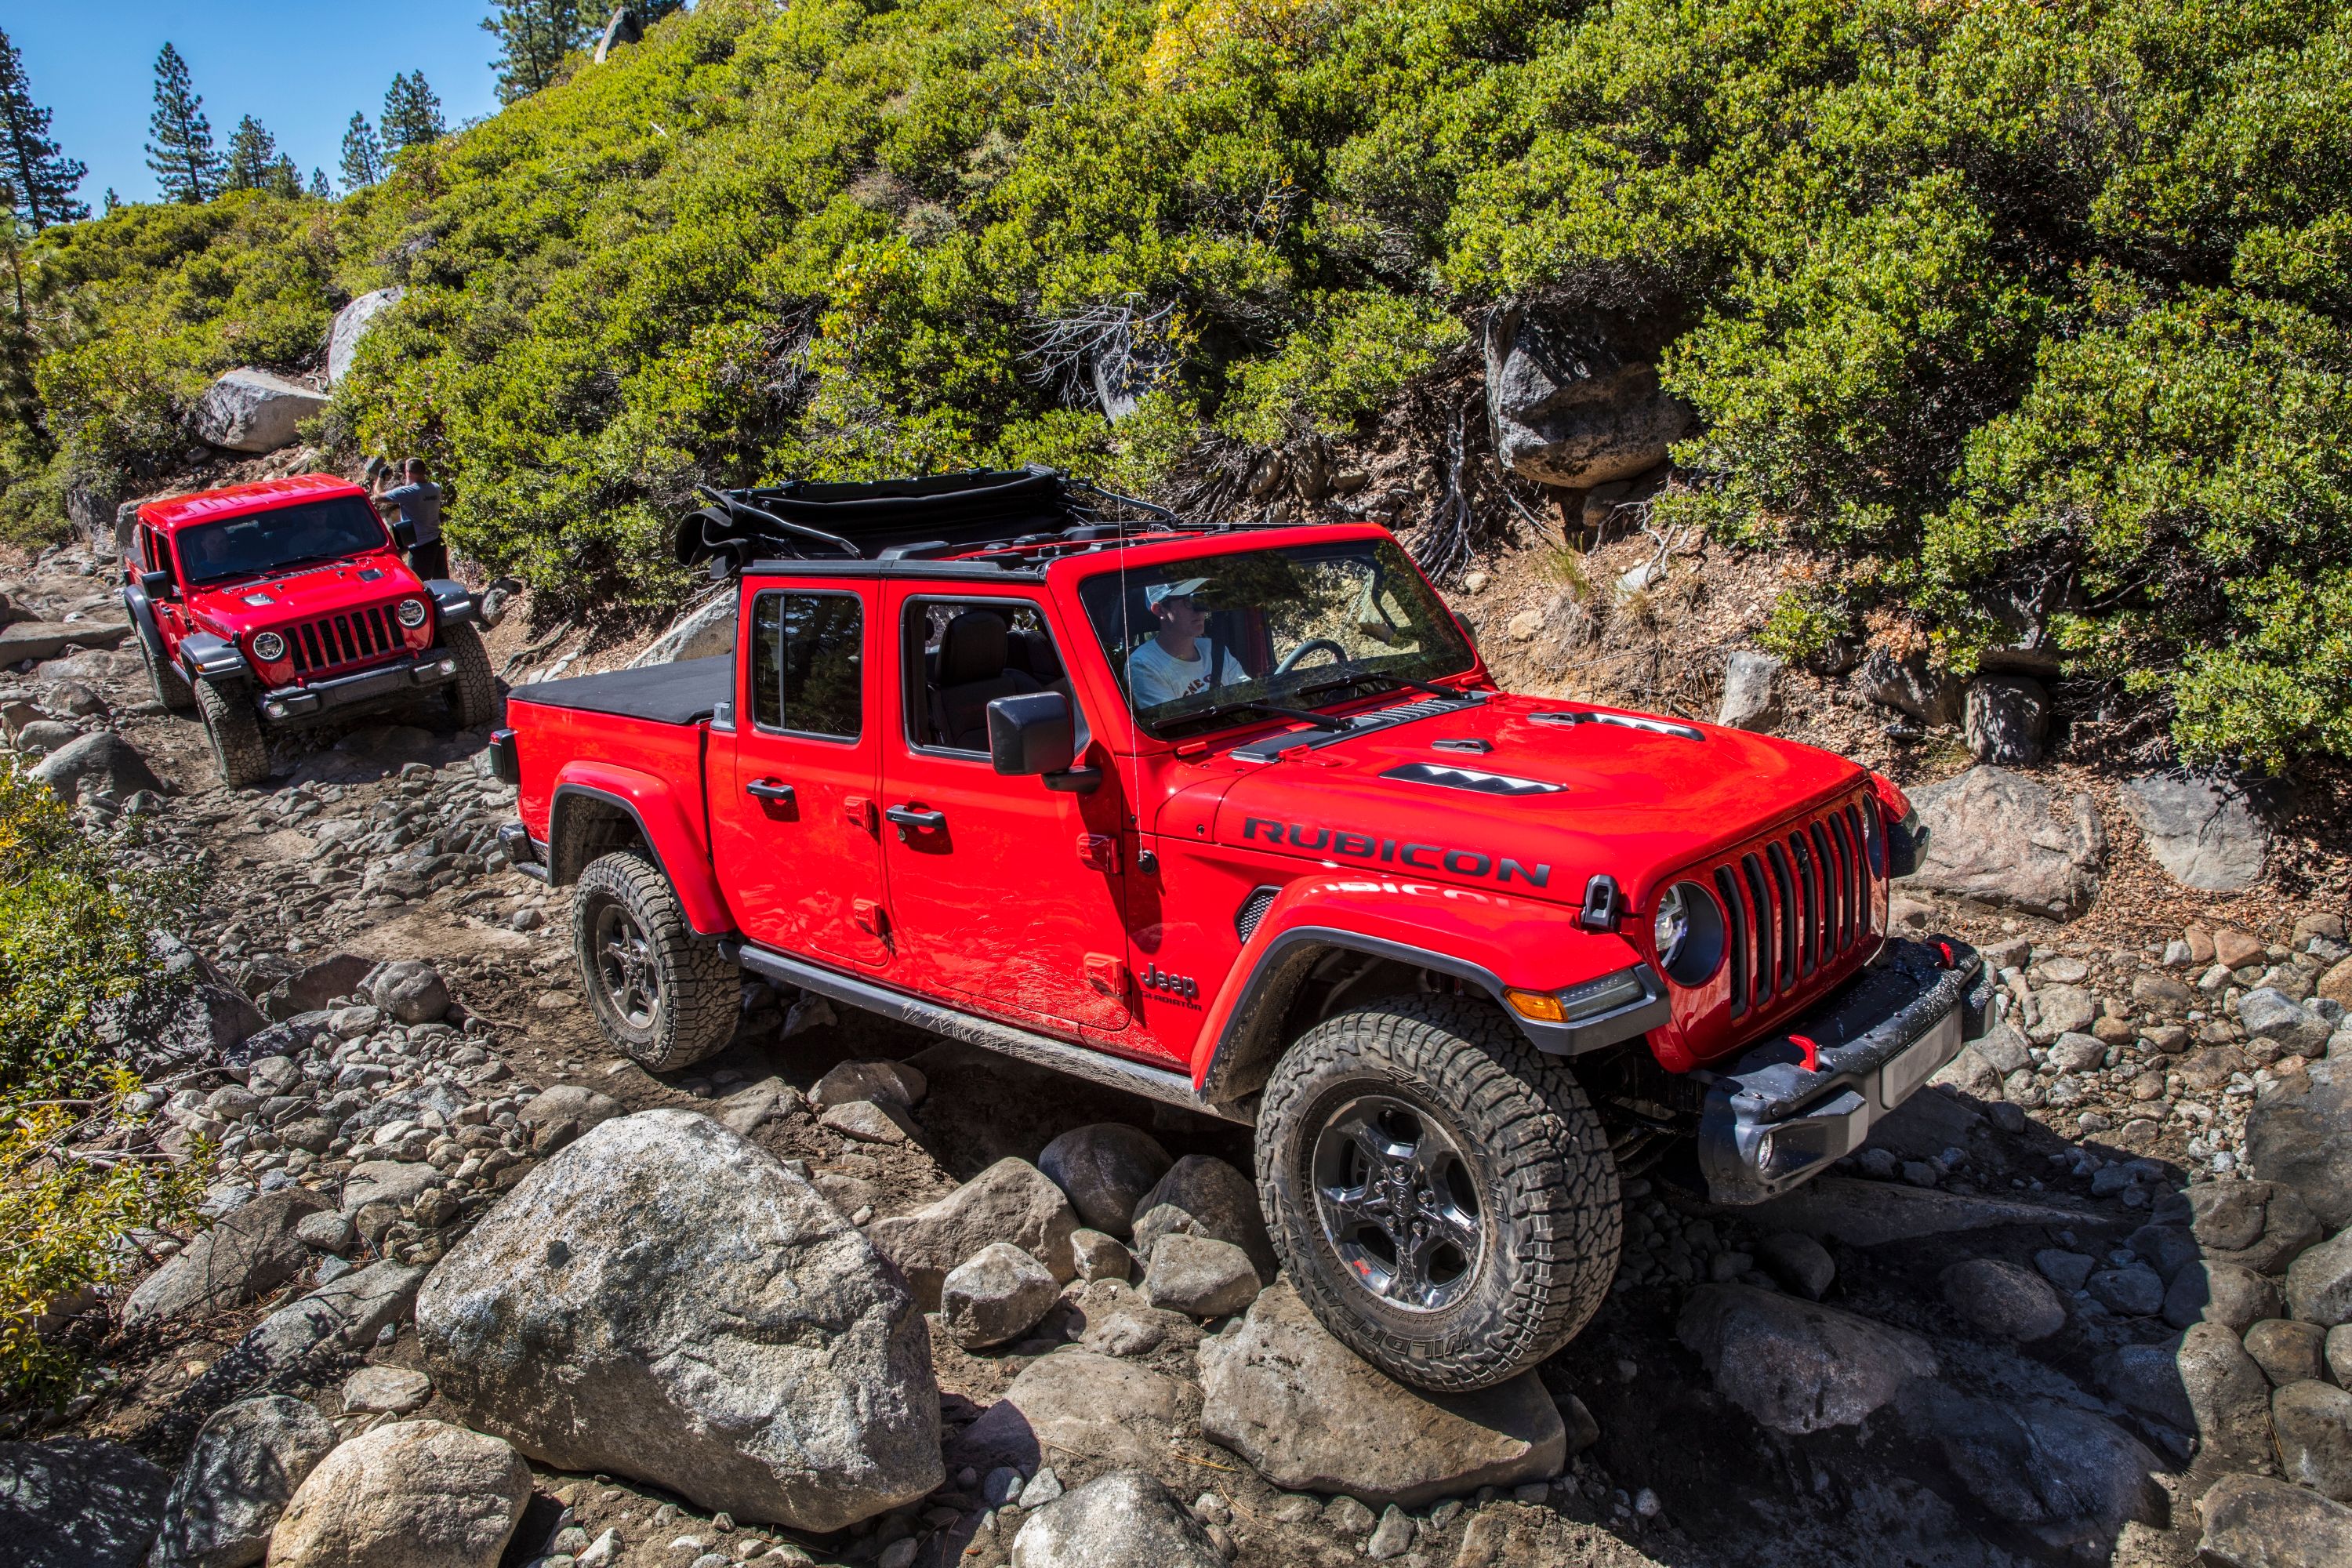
{"points": [[230, 724], [1442, 1194], [171, 685], [661, 996], [474, 694]]}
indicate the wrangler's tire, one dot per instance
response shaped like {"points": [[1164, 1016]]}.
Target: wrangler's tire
{"points": [[171, 687], [474, 694], [1439, 1100], [230, 724], [660, 995]]}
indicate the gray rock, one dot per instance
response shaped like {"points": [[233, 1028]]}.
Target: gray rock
{"points": [[250, 1252], [1204, 1196], [1198, 1276], [2200, 828], [44, 736], [704, 631], [45, 640], [2255, 1224], [1312, 1416], [743, 1110], [2146, 1380], [666, 1300], [1992, 838], [2301, 1136], [387, 1182], [2069, 1052], [869, 1121], [2314, 1425], [1114, 1521], [2319, 1283], [2250, 1522], [877, 1080], [1751, 691], [2067, 1270], [2288, 1352], [2135, 1291], [2004, 1299], [249, 410], [1100, 1257], [1393, 1536], [1105, 1167], [2070, 1477], [997, 1294], [310, 988], [1076, 1405], [1012, 1201], [2225, 1293], [350, 324], [569, 1102], [100, 763], [414, 1494], [2168, 1248], [398, 1390], [243, 1468], [411, 990], [1798, 1366], [1909, 686], [1796, 1262], [76, 1502], [346, 1313], [2230, 1398], [2339, 1354], [2007, 719], [328, 1231], [2266, 1013], [1569, 409]]}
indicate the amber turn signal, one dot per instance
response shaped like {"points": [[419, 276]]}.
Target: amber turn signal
{"points": [[1540, 1005]]}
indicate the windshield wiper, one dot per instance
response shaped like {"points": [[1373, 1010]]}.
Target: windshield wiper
{"points": [[1301, 715], [1354, 677]]}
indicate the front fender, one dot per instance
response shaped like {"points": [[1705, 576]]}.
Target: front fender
{"points": [[665, 819], [143, 623], [1493, 942]]}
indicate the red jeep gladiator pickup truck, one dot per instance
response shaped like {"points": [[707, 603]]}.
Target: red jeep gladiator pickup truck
{"points": [[1233, 818], [266, 605]]}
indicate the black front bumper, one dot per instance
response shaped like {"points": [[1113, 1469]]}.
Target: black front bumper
{"points": [[1770, 1123], [409, 673]]}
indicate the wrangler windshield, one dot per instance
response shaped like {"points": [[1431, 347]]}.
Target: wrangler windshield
{"points": [[281, 537], [1219, 641]]}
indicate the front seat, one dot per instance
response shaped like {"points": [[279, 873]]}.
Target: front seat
{"points": [[973, 672]]}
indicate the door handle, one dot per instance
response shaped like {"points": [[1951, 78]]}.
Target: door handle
{"points": [[770, 789], [916, 818]]}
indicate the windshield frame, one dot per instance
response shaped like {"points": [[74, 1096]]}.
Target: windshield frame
{"points": [[184, 536], [1315, 687]]}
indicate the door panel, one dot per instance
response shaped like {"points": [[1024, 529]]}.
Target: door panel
{"points": [[792, 811], [1002, 890]]}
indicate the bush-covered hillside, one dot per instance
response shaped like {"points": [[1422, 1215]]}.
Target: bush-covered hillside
{"points": [[1990, 304]]}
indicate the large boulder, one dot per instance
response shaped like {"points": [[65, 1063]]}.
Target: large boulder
{"points": [[2313, 1421], [248, 1254], [352, 323], [242, 1470], [1200, 1196], [2250, 1522], [1012, 1201], [2255, 1224], [311, 987], [2319, 1283], [2007, 719], [707, 631], [1798, 1366], [2230, 1398], [346, 1313], [2301, 1137], [249, 410], [2071, 1477], [996, 1294], [44, 640], [1910, 685], [1105, 1167], [665, 1300], [2003, 1299], [2200, 828], [416, 1494], [101, 763], [1313, 1416], [1992, 837], [1751, 691], [1125, 1517], [412, 991], [1569, 407], [1075, 1404], [76, 1502]]}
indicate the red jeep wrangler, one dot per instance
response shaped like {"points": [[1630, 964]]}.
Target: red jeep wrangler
{"points": [[1233, 818], [265, 605]]}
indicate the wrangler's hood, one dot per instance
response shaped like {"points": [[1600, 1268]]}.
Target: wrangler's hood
{"points": [[1544, 808], [255, 603]]}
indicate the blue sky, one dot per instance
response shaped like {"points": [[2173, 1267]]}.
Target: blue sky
{"points": [[299, 67]]}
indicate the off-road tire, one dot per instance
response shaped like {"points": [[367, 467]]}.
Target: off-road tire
{"points": [[171, 687], [474, 694], [625, 896], [1529, 1146], [239, 750]]}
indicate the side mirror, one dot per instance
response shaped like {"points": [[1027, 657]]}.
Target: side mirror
{"points": [[156, 585], [404, 534], [1032, 733]]}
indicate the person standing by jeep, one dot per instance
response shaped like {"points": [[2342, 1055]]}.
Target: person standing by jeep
{"points": [[418, 500]]}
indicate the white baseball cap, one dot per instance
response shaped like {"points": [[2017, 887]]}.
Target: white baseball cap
{"points": [[1184, 590]]}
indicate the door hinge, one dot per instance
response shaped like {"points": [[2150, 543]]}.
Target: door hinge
{"points": [[1108, 975], [859, 810], [1098, 851], [868, 916]]}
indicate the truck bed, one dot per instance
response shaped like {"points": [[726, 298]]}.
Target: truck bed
{"points": [[685, 692]]}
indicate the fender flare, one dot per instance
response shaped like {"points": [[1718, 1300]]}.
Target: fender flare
{"points": [[654, 806], [143, 623]]}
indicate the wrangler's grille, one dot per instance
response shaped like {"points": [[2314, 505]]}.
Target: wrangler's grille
{"points": [[1796, 903], [333, 642]]}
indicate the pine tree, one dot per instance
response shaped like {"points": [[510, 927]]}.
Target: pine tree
{"points": [[411, 114], [533, 37], [42, 179], [318, 186], [252, 153], [363, 154], [182, 152], [282, 178], [112, 201]]}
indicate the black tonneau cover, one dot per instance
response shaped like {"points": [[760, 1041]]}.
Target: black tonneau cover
{"points": [[685, 692]]}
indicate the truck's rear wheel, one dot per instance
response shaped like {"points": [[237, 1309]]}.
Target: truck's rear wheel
{"points": [[474, 694], [659, 995], [1442, 1194], [171, 685], [239, 750]]}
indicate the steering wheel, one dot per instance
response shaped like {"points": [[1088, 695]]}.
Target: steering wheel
{"points": [[1290, 660]]}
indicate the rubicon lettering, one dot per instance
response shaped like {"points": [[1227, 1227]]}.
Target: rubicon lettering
{"points": [[1356, 846]]}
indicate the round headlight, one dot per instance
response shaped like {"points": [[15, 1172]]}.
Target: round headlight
{"points": [[269, 648], [1671, 926], [411, 612], [1688, 929]]}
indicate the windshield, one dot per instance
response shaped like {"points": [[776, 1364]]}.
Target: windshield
{"points": [[1211, 641], [275, 539]]}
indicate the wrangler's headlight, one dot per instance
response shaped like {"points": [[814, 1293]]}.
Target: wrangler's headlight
{"points": [[1670, 925], [1688, 930], [411, 612], [269, 648]]}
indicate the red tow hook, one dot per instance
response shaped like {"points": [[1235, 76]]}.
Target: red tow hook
{"points": [[1812, 1058], [1945, 949]]}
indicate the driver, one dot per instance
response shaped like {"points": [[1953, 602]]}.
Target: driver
{"points": [[1174, 665]]}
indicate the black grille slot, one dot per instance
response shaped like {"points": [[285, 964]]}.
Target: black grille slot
{"points": [[1768, 975], [1727, 887], [1808, 909], [1784, 901], [1253, 911]]}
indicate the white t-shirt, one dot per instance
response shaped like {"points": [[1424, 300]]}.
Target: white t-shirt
{"points": [[1155, 676]]}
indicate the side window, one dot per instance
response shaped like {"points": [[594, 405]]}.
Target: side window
{"points": [[151, 550], [807, 664], [969, 653]]}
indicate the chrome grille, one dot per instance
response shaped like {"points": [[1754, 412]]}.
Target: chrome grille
{"points": [[333, 642], [1795, 905]]}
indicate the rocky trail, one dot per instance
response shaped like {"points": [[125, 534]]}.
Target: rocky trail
{"points": [[478, 1291]]}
